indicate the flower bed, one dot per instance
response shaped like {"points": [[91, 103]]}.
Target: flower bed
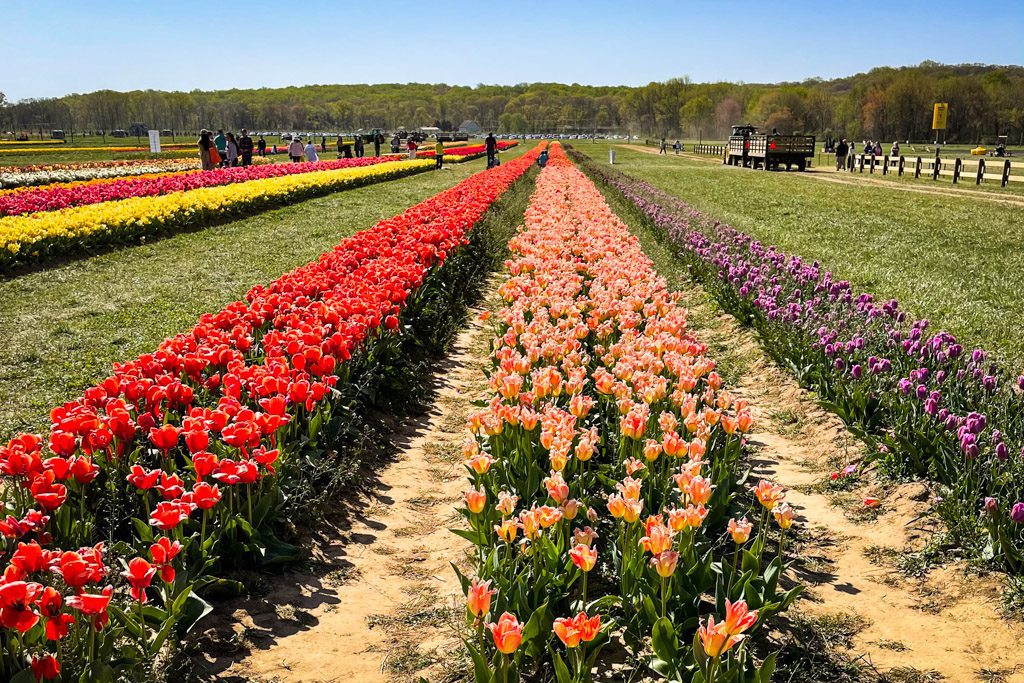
{"points": [[30, 200], [64, 148], [188, 455], [605, 499], [458, 154], [20, 176], [926, 405], [40, 236]]}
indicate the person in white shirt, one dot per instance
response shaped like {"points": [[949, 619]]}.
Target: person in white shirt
{"points": [[311, 152]]}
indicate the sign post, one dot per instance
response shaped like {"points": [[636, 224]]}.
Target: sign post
{"points": [[154, 141], [939, 116]]}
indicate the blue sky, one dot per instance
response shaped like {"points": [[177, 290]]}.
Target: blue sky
{"points": [[53, 47]]}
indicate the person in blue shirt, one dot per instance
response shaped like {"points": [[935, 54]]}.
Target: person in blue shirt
{"points": [[222, 146], [542, 160]]}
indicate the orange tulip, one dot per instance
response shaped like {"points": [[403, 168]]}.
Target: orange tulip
{"points": [[557, 488], [769, 494], [740, 530], [548, 516], [715, 639], [506, 503], [567, 632], [507, 530], [507, 633], [634, 508], [659, 538], [480, 463], [478, 599], [652, 449], [699, 490], [616, 506], [583, 557], [738, 618], [585, 536], [784, 515], [665, 563], [476, 499]]}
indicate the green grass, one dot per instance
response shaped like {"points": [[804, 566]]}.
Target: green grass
{"points": [[953, 259], [62, 328]]}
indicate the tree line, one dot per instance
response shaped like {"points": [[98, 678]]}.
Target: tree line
{"points": [[886, 103]]}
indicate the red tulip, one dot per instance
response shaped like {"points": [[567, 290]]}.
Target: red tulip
{"points": [[139, 575], [143, 479], [45, 667], [17, 600], [205, 496], [167, 516], [48, 494], [164, 438]]}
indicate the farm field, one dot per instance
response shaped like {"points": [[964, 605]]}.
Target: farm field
{"points": [[892, 243], [599, 515], [545, 406]]}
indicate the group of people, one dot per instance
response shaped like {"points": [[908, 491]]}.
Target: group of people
{"points": [[677, 147], [846, 152], [225, 149], [298, 152]]}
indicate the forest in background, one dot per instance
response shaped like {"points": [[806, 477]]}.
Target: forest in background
{"points": [[885, 103]]}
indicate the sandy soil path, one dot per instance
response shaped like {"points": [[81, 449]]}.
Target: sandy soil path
{"points": [[942, 624], [832, 176], [383, 603]]}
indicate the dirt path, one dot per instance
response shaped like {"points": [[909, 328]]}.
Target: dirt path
{"points": [[384, 602], [907, 627], [831, 176]]}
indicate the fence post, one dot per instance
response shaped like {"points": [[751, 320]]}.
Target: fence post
{"points": [[957, 165], [917, 168], [902, 166], [981, 172], [1006, 172], [885, 164], [936, 165], [860, 163]]}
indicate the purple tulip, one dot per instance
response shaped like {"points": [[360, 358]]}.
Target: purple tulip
{"points": [[1017, 513]]}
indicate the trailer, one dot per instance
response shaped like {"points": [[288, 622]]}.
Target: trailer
{"points": [[750, 148]]}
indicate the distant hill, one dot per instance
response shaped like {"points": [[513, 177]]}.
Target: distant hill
{"points": [[885, 103]]}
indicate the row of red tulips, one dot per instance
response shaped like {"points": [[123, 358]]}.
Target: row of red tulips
{"points": [[45, 198], [181, 460]]}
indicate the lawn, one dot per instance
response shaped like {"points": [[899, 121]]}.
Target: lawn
{"points": [[953, 259], [62, 328]]}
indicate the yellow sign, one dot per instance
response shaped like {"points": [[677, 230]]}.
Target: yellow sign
{"points": [[939, 116]]}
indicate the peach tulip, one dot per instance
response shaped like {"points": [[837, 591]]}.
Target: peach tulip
{"points": [[507, 633]]}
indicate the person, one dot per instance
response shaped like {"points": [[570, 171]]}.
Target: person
{"points": [[222, 145], [395, 144], [205, 143], [662, 149], [245, 147], [877, 150], [895, 151], [542, 159], [311, 154], [775, 131], [439, 154], [412, 148], [359, 146], [678, 147], [851, 155], [295, 150], [378, 140], [340, 142], [231, 151], [323, 143], [841, 149], [261, 146], [491, 145]]}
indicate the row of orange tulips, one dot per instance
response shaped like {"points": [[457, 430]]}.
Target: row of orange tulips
{"points": [[606, 504]]}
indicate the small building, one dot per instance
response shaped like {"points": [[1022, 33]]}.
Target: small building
{"points": [[470, 127]]}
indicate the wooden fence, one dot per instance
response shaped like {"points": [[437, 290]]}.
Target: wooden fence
{"points": [[959, 169], [713, 150]]}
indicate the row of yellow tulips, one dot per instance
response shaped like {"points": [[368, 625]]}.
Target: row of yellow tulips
{"points": [[39, 236]]}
